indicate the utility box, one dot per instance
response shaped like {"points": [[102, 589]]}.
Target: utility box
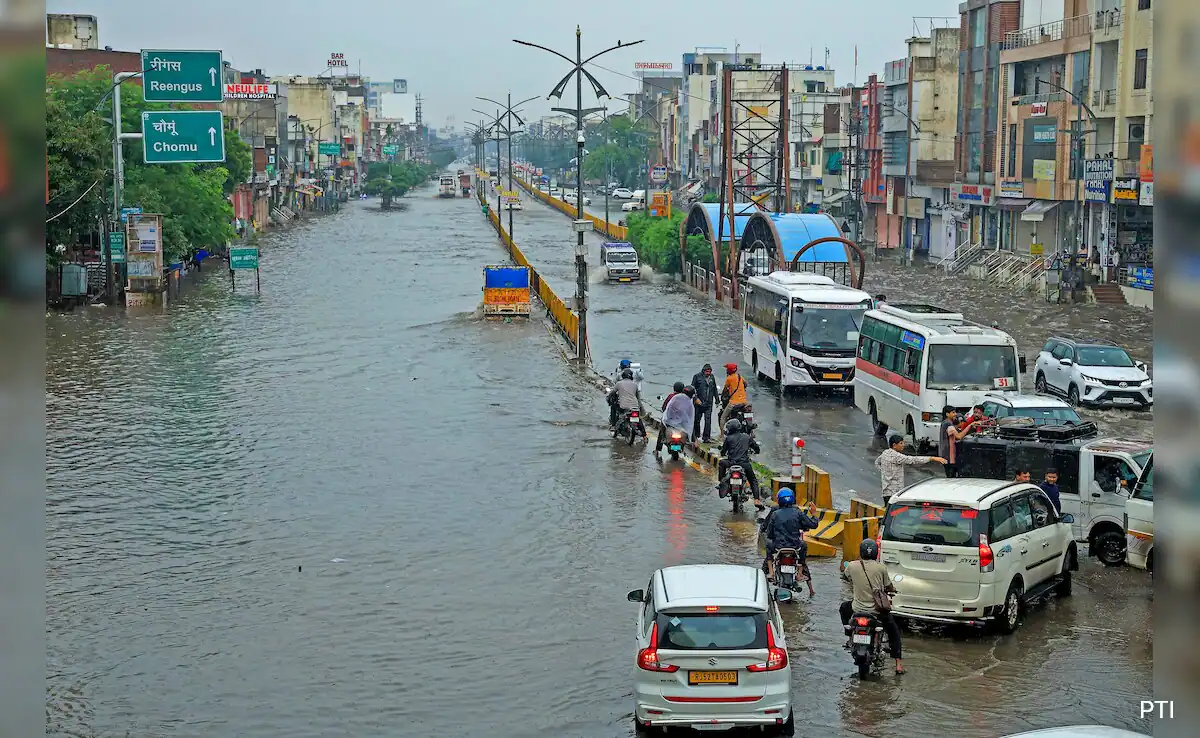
{"points": [[74, 280]]}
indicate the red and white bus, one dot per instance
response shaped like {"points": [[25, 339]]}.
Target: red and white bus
{"points": [[913, 360]]}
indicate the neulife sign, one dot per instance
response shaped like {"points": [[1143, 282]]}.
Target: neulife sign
{"points": [[242, 91], [181, 76]]}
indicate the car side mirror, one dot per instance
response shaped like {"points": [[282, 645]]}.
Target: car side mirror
{"points": [[1021, 364], [637, 595], [1065, 362], [1140, 365], [782, 595], [1067, 518]]}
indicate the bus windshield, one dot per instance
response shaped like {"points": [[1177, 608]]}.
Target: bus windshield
{"points": [[964, 366], [826, 327]]}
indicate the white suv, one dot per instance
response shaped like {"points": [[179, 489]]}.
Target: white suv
{"points": [[1092, 373], [975, 551], [711, 653]]}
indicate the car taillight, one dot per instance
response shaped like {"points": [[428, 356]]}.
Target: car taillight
{"points": [[986, 560], [879, 541], [777, 657], [647, 658]]}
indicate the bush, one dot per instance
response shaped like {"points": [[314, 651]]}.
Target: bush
{"points": [[657, 242]]}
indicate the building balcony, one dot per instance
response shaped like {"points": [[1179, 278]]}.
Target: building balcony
{"points": [[935, 173], [894, 124], [1106, 26], [1104, 101], [1080, 25]]}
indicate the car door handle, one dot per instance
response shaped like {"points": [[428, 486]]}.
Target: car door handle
{"points": [[1096, 494]]}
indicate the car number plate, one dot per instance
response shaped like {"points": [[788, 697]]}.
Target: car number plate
{"points": [[1123, 400], [623, 279], [863, 638], [712, 677], [929, 557], [830, 375], [787, 569]]}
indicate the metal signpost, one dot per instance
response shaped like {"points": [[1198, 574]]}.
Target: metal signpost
{"points": [[244, 257], [182, 76], [116, 247], [183, 136]]}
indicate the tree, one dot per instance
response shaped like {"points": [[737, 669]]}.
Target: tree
{"points": [[392, 181]]}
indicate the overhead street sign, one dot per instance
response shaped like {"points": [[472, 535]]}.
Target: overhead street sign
{"points": [[183, 136], [333, 148], [182, 76]]}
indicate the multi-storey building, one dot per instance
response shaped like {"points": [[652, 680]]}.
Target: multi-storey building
{"points": [[814, 116], [700, 79]]}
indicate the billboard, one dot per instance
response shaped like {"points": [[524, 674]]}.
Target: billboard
{"points": [[400, 86], [648, 65], [244, 91]]}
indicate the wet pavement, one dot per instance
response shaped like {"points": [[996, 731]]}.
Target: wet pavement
{"points": [[349, 507]]}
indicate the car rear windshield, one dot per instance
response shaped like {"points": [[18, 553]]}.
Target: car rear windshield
{"points": [[926, 522], [1049, 415], [711, 631]]}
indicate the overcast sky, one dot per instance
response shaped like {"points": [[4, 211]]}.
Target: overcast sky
{"points": [[452, 50]]}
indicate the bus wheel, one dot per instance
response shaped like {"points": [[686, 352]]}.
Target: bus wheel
{"points": [[879, 429]]}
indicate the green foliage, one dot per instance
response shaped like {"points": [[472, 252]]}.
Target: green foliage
{"points": [[711, 197], [391, 181], [657, 242], [618, 150], [192, 198]]}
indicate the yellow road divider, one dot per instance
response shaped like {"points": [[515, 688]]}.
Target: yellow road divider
{"points": [[863, 509], [854, 532]]}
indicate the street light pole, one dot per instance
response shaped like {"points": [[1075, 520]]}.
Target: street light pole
{"points": [[508, 114], [578, 70]]}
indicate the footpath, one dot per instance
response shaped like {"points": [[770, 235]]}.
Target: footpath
{"points": [[839, 531]]}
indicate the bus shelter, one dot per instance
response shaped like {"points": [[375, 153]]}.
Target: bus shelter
{"points": [[800, 242]]}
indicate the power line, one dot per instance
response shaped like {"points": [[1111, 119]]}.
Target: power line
{"points": [[64, 210]]}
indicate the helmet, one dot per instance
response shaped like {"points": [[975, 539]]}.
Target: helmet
{"points": [[868, 550], [731, 368], [689, 391], [786, 497], [678, 387], [627, 374], [624, 363], [733, 426]]}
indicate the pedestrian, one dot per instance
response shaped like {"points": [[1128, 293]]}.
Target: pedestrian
{"points": [[1049, 485], [733, 394], [706, 395], [948, 437], [1023, 475], [892, 462]]}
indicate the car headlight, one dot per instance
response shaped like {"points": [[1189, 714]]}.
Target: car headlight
{"points": [[1086, 378]]}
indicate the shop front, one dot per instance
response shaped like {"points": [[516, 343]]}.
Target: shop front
{"points": [[1134, 245], [982, 222], [1100, 224]]}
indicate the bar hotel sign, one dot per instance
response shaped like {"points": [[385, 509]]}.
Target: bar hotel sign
{"points": [[973, 194]]}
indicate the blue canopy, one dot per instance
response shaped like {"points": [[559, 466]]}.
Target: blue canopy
{"points": [[741, 216], [796, 230]]}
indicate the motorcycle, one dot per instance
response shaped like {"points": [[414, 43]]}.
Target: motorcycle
{"points": [[866, 643], [630, 426], [675, 444], [745, 414], [735, 486], [791, 569]]}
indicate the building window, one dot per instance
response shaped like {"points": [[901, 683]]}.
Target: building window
{"points": [[1140, 68], [1143, 4]]}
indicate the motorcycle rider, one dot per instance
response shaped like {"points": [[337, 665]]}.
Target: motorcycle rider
{"points": [[735, 451], [674, 391], [625, 396], [733, 395], [865, 576], [678, 414], [784, 528], [625, 365]]}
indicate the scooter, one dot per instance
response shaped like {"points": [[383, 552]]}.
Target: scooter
{"points": [[675, 444], [734, 485], [630, 426]]}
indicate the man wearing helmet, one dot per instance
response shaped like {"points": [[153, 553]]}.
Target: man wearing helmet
{"points": [[625, 396], [678, 414], [733, 395], [735, 451], [784, 528], [866, 576]]}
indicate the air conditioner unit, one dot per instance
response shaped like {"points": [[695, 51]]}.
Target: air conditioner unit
{"points": [[1137, 132]]}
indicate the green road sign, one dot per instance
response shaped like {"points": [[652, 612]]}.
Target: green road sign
{"points": [[391, 150], [329, 147], [116, 244], [181, 76], [179, 136], [243, 257]]}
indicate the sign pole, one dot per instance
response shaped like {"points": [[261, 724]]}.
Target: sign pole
{"points": [[257, 281]]}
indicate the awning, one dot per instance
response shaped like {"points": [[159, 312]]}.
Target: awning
{"points": [[835, 197], [1036, 212], [1012, 203]]}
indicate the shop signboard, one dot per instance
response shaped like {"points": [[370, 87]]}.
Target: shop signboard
{"points": [[1142, 278], [1039, 110], [1097, 179], [1012, 188], [1043, 169], [1146, 194], [1125, 190], [973, 194], [1045, 134]]}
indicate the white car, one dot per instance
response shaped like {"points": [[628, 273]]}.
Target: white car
{"points": [[622, 194], [975, 551], [1079, 731], [1092, 373], [633, 205], [570, 199], [711, 652], [1042, 409]]}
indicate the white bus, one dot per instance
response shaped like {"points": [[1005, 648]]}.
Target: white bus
{"points": [[913, 360], [802, 329]]}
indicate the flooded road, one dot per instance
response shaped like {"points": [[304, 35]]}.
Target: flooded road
{"points": [[347, 507]]}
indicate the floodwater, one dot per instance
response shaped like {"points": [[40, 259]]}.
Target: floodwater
{"points": [[348, 507]]}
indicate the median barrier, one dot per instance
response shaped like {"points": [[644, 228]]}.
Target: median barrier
{"points": [[614, 231], [854, 532], [816, 487], [863, 509]]}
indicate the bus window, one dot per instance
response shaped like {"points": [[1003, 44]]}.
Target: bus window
{"points": [[963, 365]]}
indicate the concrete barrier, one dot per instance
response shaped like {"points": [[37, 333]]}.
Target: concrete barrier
{"points": [[863, 509], [854, 532], [816, 487], [829, 527]]}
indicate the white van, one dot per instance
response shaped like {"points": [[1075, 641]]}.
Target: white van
{"points": [[1139, 521], [975, 551], [620, 262]]}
